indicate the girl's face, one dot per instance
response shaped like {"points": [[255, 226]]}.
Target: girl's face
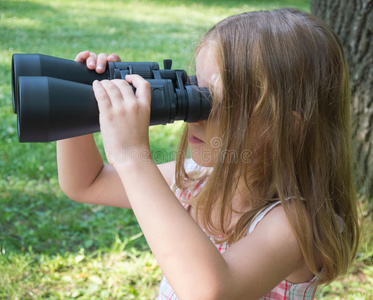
{"points": [[204, 143]]}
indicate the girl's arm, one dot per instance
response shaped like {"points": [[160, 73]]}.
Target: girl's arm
{"points": [[82, 174], [195, 269], [191, 263]]}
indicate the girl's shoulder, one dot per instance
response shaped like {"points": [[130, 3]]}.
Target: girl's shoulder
{"points": [[274, 226]]}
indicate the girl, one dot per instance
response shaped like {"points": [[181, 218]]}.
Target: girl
{"points": [[266, 206]]}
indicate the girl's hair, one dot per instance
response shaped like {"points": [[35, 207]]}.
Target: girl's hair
{"points": [[286, 102]]}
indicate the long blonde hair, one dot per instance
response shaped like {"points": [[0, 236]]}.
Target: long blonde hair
{"points": [[286, 100]]}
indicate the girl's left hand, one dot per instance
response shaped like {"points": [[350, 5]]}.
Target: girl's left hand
{"points": [[124, 118]]}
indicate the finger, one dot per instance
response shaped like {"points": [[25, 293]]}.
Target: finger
{"points": [[113, 57], [143, 92], [113, 92], [102, 98], [101, 63], [125, 89], [82, 56], [91, 61]]}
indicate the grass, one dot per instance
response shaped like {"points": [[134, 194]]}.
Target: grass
{"points": [[52, 247]]}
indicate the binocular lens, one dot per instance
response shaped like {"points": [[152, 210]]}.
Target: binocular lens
{"points": [[44, 65], [51, 109]]}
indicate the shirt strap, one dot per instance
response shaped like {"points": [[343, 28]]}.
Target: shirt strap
{"points": [[261, 216]]}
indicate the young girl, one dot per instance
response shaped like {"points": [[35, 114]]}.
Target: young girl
{"points": [[266, 206]]}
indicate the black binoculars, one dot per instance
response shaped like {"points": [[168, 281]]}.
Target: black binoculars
{"points": [[53, 97]]}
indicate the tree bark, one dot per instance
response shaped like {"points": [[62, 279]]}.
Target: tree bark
{"points": [[352, 20]]}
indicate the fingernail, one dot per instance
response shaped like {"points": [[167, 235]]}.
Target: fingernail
{"points": [[99, 68], [92, 64], [112, 58]]}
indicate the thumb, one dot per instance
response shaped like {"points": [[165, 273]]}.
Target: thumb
{"points": [[143, 92]]}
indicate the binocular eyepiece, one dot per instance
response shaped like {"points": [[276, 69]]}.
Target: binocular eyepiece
{"points": [[53, 97]]}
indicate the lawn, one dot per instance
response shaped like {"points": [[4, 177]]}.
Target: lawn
{"points": [[52, 247]]}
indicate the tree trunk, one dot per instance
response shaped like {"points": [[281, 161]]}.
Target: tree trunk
{"points": [[352, 20]]}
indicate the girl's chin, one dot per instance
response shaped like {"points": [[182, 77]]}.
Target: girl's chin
{"points": [[202, 158]]}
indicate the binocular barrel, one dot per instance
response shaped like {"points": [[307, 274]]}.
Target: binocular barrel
{"points": [[53, 97]]}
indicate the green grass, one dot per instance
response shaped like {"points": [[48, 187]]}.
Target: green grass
{"points": [[52, 247]]}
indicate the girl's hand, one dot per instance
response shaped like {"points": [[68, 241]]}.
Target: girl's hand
{"points": [[124, 119], [96, 62]]}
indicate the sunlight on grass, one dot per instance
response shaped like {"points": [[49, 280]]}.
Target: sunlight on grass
{"points": [[105, 274], [21, 23]]}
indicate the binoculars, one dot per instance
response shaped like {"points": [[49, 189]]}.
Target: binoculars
{"points": [[53, 97]]}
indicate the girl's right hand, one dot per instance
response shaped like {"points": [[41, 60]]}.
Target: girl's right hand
{"points": [[96, 62]]}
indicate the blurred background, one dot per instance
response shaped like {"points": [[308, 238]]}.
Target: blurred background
{"points": [[52, 247]]}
